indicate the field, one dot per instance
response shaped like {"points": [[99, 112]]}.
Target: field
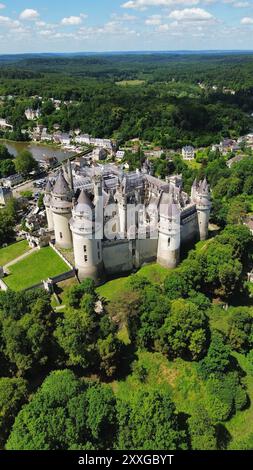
{"points": [[13, 251], [130, 82], [111, 289], [32, 270]]}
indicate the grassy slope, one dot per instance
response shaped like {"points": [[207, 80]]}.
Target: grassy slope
{"points": [[13, 251], [111, 290], [35, 268]]}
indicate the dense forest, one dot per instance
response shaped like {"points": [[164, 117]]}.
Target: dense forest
{"points": [[156, 97], [73, 370]]}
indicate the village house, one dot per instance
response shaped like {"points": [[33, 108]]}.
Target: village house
{"points": [[120, 154], [32, 114], [5, 126], [188, 152], [235, 159], [5, 195], [11, 181]]}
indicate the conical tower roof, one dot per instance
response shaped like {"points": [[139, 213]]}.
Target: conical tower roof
{"points": [[49, 187], [169, 208], [83, 202], [61, 186]]}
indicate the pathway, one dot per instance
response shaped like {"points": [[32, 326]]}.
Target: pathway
{"points": [[25, 255]]}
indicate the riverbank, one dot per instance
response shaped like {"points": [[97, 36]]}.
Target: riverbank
{"points": [[39, 150]]}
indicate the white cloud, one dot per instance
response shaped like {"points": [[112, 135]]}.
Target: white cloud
{"points": [[143, 4], [247, 20], [73, 20], [191, 14], [29, 14], [124, 17], [241, 4], [2, 6], [6, 21], [154, 20]]}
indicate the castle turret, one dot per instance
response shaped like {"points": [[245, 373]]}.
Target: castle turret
{"points": [[61, 206], [121, 197], [86, 241], [203, 205], [47, 202], [168, 252]]}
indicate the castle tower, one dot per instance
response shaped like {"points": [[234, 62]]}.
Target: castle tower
{"points": [[121, 197], [168, 252], [203, 205], [47, 203], [61, 206], [86, 242]]}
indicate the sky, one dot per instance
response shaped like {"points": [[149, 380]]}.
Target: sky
{"points": [[28, 26]]}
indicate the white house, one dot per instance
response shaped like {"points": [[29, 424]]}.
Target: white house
{"points": [[32, 114], [82, 139], [188, 152], [4, 124], [120, 154]]}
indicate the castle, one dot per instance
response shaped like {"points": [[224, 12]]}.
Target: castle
{"points": [[88, 212]]}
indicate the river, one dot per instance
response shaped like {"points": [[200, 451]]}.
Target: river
{"points": [[39, 151]]}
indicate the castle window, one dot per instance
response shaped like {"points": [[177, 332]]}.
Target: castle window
{"points": [[61, 236], [99, 255], [98, 245], [86, 258], [85, 249], [168, 241]]}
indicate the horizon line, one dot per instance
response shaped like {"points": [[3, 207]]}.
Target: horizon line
{"points": [[137, 51]]}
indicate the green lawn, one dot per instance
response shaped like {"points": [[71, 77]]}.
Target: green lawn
{"points": [[13, 251], [32, 270], [112, 289]]}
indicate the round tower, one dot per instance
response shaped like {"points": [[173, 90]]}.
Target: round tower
{"points": [[61, 206], [203, 206], [121, 197], [168, 252], [87, 241], [47, 202]]}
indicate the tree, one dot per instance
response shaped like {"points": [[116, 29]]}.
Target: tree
{"points": [[240, 333], [217, 359], [237, 211], [6, 227], [201, 429], [66, 413], [27, 339], [149, 422], [175, 286], [76, 334], [101, 416], [109, 350], [25, 163], [225, 395], [13, 394], [4, 153], [76, 293], [7, 168], [229, 276], [184, 333]]}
